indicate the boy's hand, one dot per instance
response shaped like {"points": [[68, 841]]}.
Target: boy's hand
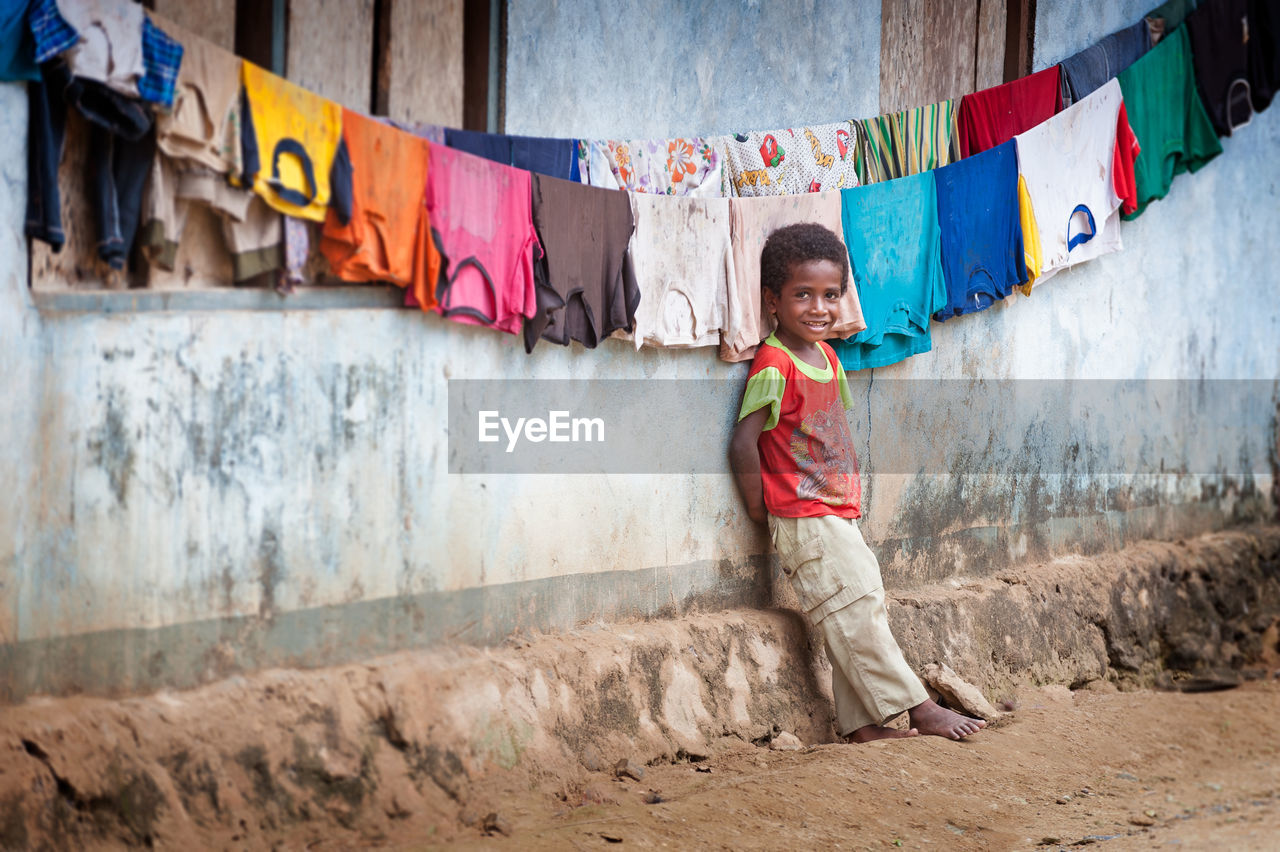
{"points": [[744, 460]]}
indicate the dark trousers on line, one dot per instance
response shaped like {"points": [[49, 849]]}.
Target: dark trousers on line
{"points": [[121, 148]]}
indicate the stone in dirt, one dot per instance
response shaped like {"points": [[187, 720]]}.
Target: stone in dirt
{"points": [[626, 768], [593, 795], [496, 824], [1210, 680], [959, 694], [786, 741], [591, 758]]}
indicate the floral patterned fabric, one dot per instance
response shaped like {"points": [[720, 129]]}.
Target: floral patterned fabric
{"points": [[688, 166]]}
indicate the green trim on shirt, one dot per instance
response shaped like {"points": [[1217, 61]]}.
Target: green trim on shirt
{"points": [[764, 388], [846, 396], [768, 386], [818, 374]]}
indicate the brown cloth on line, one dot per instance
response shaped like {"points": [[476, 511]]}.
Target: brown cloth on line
{"points": [[585, 283]]}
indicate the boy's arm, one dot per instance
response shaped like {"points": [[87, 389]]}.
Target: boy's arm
{"points": [[744, 460]]}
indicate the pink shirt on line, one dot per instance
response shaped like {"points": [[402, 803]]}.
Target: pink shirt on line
{"points": [[482, 215]]}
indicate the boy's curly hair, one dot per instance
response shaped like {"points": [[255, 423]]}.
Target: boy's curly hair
{"points": [[796, 244]]}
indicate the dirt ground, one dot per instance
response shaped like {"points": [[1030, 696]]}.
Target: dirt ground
{"points": [[1116, 770]]}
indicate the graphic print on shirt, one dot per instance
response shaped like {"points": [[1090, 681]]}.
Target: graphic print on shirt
{"points": [[822, 446], [755, 177], [770, 153], [823, 159]]}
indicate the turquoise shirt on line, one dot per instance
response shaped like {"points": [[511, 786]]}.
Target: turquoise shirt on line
{"points": [[895, 252]]}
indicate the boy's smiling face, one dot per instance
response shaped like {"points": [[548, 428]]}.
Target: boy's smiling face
{"points": [[808, 306]]}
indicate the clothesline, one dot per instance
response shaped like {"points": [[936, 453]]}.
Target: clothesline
{"points": [[987, 193]]}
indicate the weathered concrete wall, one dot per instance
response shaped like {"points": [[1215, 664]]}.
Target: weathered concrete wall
{"points": [[195, 493], [584, 68], [1065, 27]]}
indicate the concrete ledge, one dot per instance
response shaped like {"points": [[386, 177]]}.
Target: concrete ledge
{"points": [[182, 656], [335, 297]]}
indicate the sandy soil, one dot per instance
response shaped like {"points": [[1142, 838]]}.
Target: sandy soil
{"points": [[1115, 770]]}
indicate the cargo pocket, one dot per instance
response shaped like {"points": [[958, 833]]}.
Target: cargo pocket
{"points": [[814, 580]]}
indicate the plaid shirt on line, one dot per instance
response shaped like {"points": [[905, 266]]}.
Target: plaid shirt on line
{"points": [[52, 33], [162, 57]]}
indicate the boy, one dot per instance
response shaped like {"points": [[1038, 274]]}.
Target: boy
{"points": [[792, 455]]}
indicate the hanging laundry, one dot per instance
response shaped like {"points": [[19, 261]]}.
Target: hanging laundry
{"points": [[994, 116], [162, 58], [895, 250], [481, 218], [552, 157], [1167, 117], [786, 162], [687, 166], [908, 142], [292, 141], [297, 248], [978, 215], [389, 235], [751, 221], [121, 148], [50, 31], [118, 167], [17, 45], [1085, 72], [110, 47], [433, 133], [1123, 166], [586, 283], [1069, 166], [203, 128], [199, 142], [1032, 253], [251, 231], [1167, 17], [1264, 52], [491, 146], [1219, 35], [46, 134], [683, 260]]}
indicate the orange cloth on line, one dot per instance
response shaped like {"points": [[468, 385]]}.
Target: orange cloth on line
{"points": [[389, 235]]}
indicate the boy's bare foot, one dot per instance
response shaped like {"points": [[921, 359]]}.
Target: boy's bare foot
{"points": [[931, 718], [867, 733]]}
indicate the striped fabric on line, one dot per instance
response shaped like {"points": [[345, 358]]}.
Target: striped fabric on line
{"points": [[909, 142]]}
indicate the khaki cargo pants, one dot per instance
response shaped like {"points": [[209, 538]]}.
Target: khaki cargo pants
{"points": [[837, 579]]}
